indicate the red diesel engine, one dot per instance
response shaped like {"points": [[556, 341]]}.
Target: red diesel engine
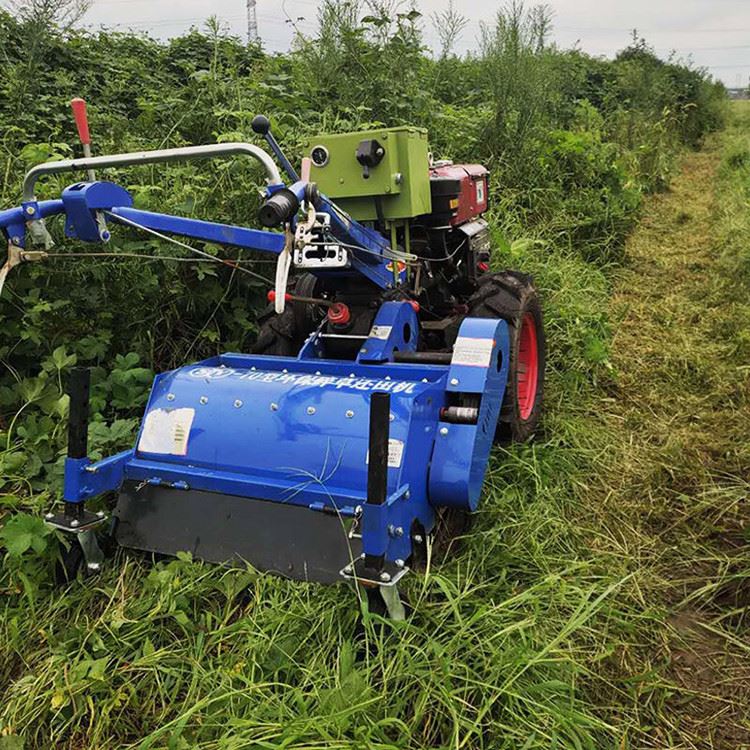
{"points": [[459, 192]]}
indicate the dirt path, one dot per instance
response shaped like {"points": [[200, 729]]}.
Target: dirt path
{"points": [[676, 481]]}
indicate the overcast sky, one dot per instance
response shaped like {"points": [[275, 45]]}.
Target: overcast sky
{"points": [[714, 33]]}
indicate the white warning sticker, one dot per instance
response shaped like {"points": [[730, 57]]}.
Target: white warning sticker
{"points": [[380, 332], [480, 191], [395, 453], [472, 352], [167, 431]]}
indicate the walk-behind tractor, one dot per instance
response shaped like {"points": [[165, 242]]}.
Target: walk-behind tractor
{"points": [[390, 360]]}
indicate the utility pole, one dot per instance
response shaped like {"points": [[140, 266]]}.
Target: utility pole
{"points": [[252, 23]]}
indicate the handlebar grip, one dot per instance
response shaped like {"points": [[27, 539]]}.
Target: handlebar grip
{"points": [[82, 121]]}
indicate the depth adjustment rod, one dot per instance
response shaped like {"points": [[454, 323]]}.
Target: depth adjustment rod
{"points": [[79, 387]]}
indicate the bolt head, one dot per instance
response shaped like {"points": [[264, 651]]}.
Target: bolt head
{"points": [[443, 431], [204, 399], [399, 531], [348, 569], [407, 495], [49, 515], [399, 563], [385, 577], [311, 410], [418, 538], [238, 404], [170, 397], [391, 417], [454, 381], [274, 407], [30, 211], [75, 523], [349, 413], [100, 514], [94, 567]]}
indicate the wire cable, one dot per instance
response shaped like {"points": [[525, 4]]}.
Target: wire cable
{"points": [[167, 238]]}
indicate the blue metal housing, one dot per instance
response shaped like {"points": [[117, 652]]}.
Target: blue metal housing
{"points": [[295, 431]]}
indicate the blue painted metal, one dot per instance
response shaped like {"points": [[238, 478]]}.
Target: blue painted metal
{"points": [[83, 199], [13, 220], [461, 454], [84, 479], [222, 234], [396, 328], [295, 431]]}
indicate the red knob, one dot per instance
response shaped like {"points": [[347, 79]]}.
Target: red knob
{"points": [[82, 120], [339, 314], [415, 305]]}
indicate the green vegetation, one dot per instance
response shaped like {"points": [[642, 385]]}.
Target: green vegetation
{"points": [[605, 551]]}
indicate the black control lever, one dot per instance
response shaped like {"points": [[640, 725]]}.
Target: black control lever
{"points": [[262, 126], [369, 154]]}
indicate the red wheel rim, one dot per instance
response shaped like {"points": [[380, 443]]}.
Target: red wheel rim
{"points": [[527, 369]]}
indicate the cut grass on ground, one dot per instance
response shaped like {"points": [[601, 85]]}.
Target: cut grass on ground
{"points": [[599, 603]]}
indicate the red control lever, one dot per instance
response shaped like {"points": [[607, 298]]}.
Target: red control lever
{"points": [[82, 121]]}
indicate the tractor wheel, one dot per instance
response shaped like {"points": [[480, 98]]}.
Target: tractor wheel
{"points": [[283, 335], [511, 296]]}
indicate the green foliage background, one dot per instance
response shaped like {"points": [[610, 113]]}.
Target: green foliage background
{"points": [[573, 143]]}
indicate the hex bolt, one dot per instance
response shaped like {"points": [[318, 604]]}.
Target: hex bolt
{"points": [[100, 514], [418, 539], [385, 577], [274, 407], [399, 563], [399, 531], [238, 404], [170, 397], [30, 210], [443, 431], [311, 410], [363, 350], [454, 381], [391, 417], [349, 413], [49, 515], [204, 399], [75, 523]]}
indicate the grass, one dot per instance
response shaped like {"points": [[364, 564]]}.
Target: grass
{"points": [[599, 604]]}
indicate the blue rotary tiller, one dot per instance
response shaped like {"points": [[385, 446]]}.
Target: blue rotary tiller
{"points": [[390, 360]]}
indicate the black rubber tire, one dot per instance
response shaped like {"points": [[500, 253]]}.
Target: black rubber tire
{"points": [[283, 335], [511, 295]]}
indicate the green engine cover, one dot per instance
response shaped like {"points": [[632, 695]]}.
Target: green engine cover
{"points": [[401, 180]]}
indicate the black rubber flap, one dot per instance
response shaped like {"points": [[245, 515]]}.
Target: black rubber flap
{"points": [[279, 538]]}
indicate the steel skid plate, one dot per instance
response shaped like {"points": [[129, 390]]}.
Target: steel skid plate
{"points": [[284, 539]]}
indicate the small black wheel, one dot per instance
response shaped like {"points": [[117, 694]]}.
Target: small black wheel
{"points": [[511, 295]]}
